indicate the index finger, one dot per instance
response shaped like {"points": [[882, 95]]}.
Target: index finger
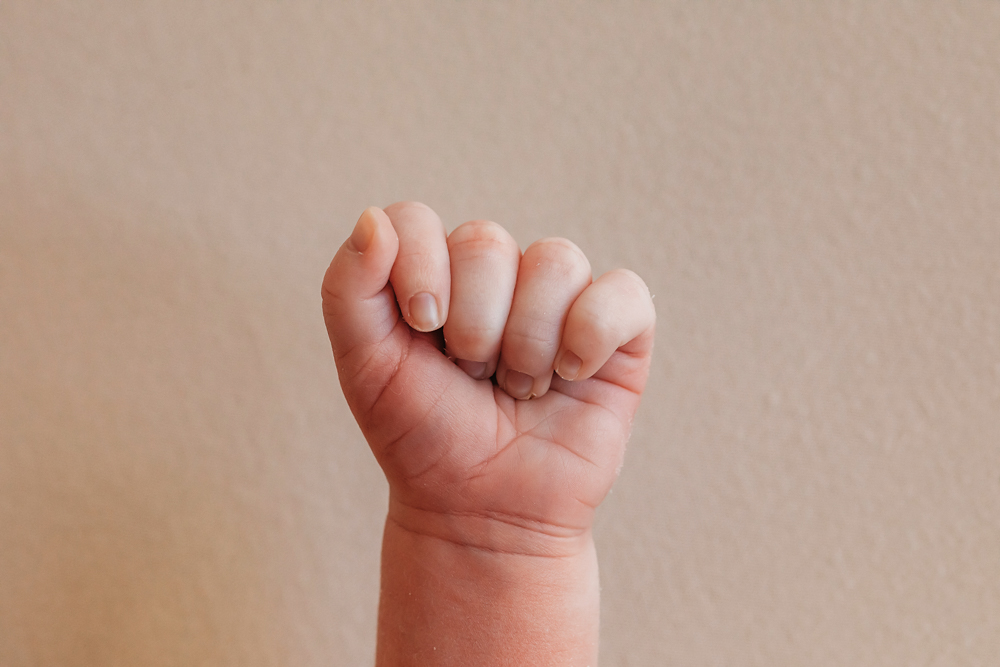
{"points": [[421, 275]]}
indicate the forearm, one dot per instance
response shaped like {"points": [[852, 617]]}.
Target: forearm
{"points": [[449, 603], [446, 345]]}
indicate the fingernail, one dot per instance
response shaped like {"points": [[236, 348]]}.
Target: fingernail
{"points": [[569, 365], [518, 384], [424, 312], [363, 232], [475, 369]]}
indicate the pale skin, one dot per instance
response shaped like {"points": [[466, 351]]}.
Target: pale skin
{"points": [[496, 389]]}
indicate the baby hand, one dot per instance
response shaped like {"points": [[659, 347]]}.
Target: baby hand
{"points": [[446, 346]]}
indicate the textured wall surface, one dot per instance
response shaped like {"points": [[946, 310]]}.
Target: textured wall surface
{"points": [[812, 191]]}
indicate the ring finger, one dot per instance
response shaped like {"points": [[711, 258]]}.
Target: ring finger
{"points": [[552, 274]]}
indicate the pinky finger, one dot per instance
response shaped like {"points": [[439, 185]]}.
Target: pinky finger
{"points": [[613, 311]]}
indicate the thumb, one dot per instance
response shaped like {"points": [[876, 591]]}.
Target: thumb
{"points": [[360, 309]]}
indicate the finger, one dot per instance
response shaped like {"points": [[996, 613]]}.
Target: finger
{"points": [[358, 304], [484, 262], [615, 310], [421, 276], [552, 274]]}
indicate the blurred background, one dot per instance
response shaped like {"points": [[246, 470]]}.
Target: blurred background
{"points": [[811, 190]]}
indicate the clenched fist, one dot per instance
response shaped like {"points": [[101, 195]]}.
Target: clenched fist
{"points": [[496, 389]]}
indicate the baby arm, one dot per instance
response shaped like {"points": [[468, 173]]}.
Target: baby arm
{"points": [[445, 347]]}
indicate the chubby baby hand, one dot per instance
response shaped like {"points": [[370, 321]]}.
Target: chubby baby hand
{"points": [[496, 389]]}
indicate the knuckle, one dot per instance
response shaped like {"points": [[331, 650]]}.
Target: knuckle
{"points": [[560, 254], [627, 275], [557, 245], [406, 207], [479, 237], [632, 281], [633, 287], [412, 217]]}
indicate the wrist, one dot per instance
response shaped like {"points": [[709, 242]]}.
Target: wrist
{"points": [[492, 531], [453, 592]]}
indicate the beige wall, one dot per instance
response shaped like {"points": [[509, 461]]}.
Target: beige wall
{"points": [[812, 191]]}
